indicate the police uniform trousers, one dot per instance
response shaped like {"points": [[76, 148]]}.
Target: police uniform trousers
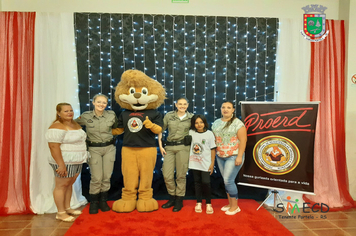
{"points": [[176, 158], [101, 165]]}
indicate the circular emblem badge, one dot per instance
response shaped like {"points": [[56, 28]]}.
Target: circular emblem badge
{"points": [[134, 124], [197, 149], [276, 155]]}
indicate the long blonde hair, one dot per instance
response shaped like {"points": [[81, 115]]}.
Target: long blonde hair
{"points": [[59, 109]]}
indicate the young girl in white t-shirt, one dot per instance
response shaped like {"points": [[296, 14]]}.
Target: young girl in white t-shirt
{"points": [[201, 160]]}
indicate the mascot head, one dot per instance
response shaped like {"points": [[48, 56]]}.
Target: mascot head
{"points": [[136, 91]]}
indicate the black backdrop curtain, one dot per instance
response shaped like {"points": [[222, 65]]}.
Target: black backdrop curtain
{"points": [[207, 59]]}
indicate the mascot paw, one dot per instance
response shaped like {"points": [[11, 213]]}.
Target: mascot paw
{"points": [[124, 205], [147, 123], [117, 131], [147, 205]]}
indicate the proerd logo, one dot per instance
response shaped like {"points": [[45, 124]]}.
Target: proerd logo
{"points": [[276, 155]]}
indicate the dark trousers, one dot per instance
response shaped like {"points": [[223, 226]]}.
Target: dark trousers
{"points": [[202, 185]]}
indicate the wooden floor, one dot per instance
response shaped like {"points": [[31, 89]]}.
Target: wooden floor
{"points": [[325, 224]]}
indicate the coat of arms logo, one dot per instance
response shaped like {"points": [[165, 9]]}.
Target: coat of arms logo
{"points": [[314, 23]]}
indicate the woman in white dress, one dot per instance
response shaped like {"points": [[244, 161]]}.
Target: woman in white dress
{"points": [[66, 141]]}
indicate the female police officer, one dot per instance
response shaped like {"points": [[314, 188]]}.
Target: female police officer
{"points": [[176, 153], [99, 124]]}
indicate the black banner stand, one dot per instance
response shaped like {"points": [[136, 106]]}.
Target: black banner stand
{"points": [[276, 194]]}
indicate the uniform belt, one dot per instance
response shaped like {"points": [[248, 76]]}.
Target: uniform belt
{"points": [[94, 144], [181, 142]]}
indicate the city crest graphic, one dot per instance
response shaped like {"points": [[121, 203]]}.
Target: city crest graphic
{"points": [[314, 23], [276, 155]]}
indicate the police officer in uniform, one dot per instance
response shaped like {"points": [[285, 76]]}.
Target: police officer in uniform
{"points": [[176, 153], [101, 144]]}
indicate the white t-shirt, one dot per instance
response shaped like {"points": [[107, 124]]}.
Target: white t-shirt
{"points": [[182, 117], [200, 150]]}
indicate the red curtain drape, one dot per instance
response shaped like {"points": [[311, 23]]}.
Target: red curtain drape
{"points": [[16, 83], [327, 84]]}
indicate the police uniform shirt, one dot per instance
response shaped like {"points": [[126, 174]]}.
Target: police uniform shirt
{"points": [[98, 128], [177, 128], [136, 134]]}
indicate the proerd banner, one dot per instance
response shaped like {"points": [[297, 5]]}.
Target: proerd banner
{"points": [[280, 145]]}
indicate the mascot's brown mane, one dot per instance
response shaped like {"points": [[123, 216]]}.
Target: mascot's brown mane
{"points": [[136, 78]]}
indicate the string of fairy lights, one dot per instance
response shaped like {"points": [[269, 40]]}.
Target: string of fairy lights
{"points": [[133, 41], [76, 111], [164, 60], [236, 58], [256, 62], [246, 59], [185, 60], [123, 42], [265, 48], [226, 55], [101, 58], [205, 69], [88, 61], [154, 47], [110, 66], [143, 46], [205, 52], [214, 73], [195, 62]]}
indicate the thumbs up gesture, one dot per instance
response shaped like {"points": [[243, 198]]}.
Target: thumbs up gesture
{"points": [[147, 123], [151, 126]]}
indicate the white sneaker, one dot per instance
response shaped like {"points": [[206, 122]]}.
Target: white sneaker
{"points": [[231, 213], [225, 208]]}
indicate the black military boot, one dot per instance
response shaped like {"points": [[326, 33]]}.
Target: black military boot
{"points": [[178, 204], [170, 202], [94, 203], [103, 205]]}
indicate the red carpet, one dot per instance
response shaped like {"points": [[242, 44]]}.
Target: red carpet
{"points": [[185, 222]]}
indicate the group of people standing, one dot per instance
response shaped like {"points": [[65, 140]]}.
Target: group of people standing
{"points": [[226, 141], [189, 145]]}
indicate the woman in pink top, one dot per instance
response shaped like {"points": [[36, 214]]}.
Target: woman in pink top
{"points": [[230, 137]]}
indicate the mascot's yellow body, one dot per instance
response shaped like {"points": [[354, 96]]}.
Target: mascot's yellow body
{"points": [[140, 96]]}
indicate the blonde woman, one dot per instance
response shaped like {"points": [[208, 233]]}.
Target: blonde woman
{"points": [[66, 141], [99, 123]]}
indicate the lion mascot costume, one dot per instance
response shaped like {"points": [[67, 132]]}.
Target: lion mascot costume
{"points": [[139, 95]]}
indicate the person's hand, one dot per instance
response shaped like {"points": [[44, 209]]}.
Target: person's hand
{"points": [[211, 168], [238, 161], [62, 171], [163, 152]]}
